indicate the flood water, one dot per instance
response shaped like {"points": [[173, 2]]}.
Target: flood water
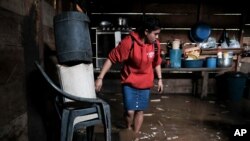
{"points": [[172, 117]]}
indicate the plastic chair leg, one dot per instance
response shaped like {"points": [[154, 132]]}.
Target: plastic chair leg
{"points": [[64, 125], [107, 122], [90, 133]]}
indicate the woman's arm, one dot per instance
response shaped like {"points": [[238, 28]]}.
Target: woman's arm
{"points": [[159, 77], [106, 66]]}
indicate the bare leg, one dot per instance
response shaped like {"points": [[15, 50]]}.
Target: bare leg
{"points": [[129, 118], [138, 121]]}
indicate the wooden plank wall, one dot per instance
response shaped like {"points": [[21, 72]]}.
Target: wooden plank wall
{"points": [[177, 17]]}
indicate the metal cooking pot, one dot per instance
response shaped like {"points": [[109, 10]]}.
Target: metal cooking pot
{"points": [[224, 62], [200, 32], [122, 21], [105, 24]]}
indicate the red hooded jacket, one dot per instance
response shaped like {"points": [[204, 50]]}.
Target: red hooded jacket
{"points": [[138, 62]]}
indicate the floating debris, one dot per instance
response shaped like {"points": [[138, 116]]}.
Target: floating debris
{"points": [[187, 101], [164, 132], [155, 100], [175, 137], [172, 138], [218, 137], [224, 112], [164, 97], [148, 115], [211, 135], [154, 134], [168, 117], [212, 102], [160, 109], [160, 123], [153, 128], [146, 136], [222, 106], [113, 99]]}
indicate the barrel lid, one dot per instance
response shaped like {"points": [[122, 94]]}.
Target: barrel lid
{"points": [[71, 15], [235, 74]]}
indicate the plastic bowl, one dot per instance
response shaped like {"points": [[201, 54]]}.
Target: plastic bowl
{"points": [[193, 63], [200, 32]]}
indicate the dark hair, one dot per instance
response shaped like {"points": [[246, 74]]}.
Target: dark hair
{"points": [[150, 23]]}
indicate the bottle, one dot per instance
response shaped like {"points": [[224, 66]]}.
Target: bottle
{"points": [[163, 57], [176, 44], [219, 53], [168, 47], [224, 39]]}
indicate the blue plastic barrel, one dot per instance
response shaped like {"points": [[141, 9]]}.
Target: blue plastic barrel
{"points": [[72, 37], [231, 85], [236, 85]]}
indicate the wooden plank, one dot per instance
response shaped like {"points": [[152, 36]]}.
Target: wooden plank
{"points": [[185, 70], [215, 50]]}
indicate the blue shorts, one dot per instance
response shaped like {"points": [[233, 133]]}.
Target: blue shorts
{"points": [[135, 99]]}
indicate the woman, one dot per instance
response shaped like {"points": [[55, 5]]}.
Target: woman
{"points": [[140, 54]]}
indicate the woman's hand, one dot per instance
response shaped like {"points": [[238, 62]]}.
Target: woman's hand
{"points": [[98, 84], [160, 86]]}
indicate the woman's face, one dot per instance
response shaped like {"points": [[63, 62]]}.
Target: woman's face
{"points": [[152, 36]]}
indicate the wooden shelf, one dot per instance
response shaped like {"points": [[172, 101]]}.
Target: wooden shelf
{"points": [[214, 51]]}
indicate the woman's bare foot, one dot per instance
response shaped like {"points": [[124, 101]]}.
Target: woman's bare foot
{"points": [[136, 136]]}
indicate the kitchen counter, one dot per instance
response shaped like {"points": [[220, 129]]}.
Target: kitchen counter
{"points": [[203, 72]]}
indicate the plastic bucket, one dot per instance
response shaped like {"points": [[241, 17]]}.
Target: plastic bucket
{"points": [[175, 58], [72, 37], [211, 62]]}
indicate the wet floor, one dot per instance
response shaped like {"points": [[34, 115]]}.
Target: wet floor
{"points": [[184, 118]]}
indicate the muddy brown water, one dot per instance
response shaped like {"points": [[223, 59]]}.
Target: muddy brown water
{"points": [[173, 117]]}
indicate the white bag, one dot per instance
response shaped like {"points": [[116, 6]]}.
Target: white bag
{"points": [[77, 80]]}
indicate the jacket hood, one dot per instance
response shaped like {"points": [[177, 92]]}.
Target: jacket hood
{"points": [[136, 38]]}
